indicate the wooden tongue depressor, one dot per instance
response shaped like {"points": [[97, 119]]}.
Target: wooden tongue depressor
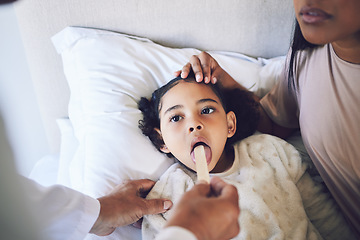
{"points": [[201, 164]]}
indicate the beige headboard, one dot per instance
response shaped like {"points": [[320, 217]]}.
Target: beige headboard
{"points": [[259, 28]]}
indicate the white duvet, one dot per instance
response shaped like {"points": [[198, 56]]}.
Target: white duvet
{"points": [[274, 192], [265, 171]]}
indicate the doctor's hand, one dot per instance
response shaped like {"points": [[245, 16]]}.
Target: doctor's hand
{"points": [[125, 205], [209, 211]]}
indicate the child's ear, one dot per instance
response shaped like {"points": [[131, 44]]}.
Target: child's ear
{"points": [[163, 148], [231, 121]]}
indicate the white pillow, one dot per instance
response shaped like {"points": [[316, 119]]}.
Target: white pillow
{"points": [[68, 147], [107, 74]]}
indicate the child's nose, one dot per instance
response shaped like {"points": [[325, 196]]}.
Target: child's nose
{"points": [[198, 127]]}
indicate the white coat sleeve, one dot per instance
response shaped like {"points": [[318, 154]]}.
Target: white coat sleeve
{"points": [[28, 209], [62, 213], [175, 233]]}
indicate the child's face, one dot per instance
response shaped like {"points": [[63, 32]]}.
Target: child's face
{"points": [[191, 113], [328, 21]]}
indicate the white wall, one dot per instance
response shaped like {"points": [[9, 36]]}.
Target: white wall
{"points": [[18, 105]]}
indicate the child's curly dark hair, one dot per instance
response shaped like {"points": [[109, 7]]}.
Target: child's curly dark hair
{"points": [[246, 110], [241, 102]]}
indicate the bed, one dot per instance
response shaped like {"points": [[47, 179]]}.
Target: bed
{"points": [[91, 61]]}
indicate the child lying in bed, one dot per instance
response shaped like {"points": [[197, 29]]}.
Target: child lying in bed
{"points": [[266, 170]]}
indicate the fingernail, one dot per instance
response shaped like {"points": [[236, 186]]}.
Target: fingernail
{"points": [[214, 80], [202, 182], [167, 205], [206, 80], [198, 78]]}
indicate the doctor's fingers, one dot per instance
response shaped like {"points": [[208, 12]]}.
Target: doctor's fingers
{"points": [[224, 190], [155, 206], [201, 189], [227, 199], [135, 187]]}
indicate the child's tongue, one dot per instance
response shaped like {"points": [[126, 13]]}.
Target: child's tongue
{"points": [[208, 154]]}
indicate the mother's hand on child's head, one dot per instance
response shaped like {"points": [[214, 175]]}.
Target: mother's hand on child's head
{"points": [[204, 66], [210, 211], [125, 205], [207, 69]]}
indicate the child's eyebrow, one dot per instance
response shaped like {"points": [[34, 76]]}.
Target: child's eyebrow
{"points": [[207, 100], [173, 108], [198, 102]]}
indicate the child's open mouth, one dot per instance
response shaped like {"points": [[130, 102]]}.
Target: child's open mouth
{"points": [[207, 149]]}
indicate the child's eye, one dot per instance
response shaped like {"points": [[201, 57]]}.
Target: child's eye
{"points": [[175, 118], [207, 110]]}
